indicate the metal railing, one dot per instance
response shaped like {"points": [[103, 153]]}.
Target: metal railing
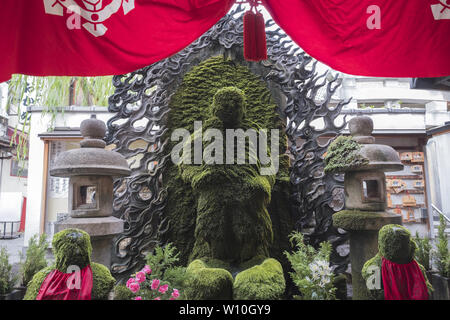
{"points": [[440, 212]]}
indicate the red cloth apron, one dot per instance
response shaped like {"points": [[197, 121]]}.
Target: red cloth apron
{"points": [[403, 281], [67, 286]]}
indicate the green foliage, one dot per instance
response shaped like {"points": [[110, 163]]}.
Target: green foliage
{"points": [[52, 93], [72, 247], [442, 252], [311, 271], [395, 243], [423, 252], [7, 280], [163, 262], [260, 282], [162, 259], [205, 283], [192, 102], [103, 282], [34, 258], [342, 155]]}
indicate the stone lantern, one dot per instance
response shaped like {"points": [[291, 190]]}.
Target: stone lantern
{"points": [[365, 197], [91, 170]]}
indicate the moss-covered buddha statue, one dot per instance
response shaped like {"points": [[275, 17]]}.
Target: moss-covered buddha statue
{"points": [[393, 273], [71, 248], [233, 230]]}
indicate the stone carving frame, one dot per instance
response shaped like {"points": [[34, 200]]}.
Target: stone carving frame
{"points": [[140, 105]]}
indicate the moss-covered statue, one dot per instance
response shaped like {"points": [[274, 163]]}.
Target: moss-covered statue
{"points": [[394, 274], [72, 250], [233, 231]]}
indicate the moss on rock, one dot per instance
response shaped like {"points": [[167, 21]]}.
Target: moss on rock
{"points": [[395, 244], [355, 219], [103, 282], [35, 284], [342, 155], [368, 270], [193, 101], [73, 247], [205, 283], [261, 282], [121, 292]]}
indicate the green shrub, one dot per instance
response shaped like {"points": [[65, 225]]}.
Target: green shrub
{"points": [[162, 259], [7, 280], [311, 271], [163, 263], [442, 253], [34, 258], [423, 251]]}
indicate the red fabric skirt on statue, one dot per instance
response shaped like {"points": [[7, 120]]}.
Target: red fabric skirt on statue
{"points": [[67, 286], [403, 281]]}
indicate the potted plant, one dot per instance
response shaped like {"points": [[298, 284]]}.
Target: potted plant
{"points": [[441, 279], [423, 254], [7, 280], [33, 261]]}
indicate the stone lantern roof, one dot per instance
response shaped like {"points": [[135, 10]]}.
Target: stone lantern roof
{"points": [[380, 157], [91, 158], [359, 152]]}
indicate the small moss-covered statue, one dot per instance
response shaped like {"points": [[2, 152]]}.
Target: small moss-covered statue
{"points": [[233, 226], [72, 249], [393, 274]]}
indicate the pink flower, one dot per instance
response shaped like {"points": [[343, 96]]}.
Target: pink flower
{"points": [[155, 284], [163, 288], [175, 293], [138, 298], [171, 298], [134, 287], [130, 281], [140, 276], [157, 298], [147, 269]]}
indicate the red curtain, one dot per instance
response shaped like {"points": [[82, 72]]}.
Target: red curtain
{"points": [[403, 38], [36, 40], [409, 43]]}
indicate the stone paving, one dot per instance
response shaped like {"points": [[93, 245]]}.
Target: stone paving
{"points": [[14, 247]]}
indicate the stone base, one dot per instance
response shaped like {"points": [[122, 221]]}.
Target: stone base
{"points": [[101, 230]]}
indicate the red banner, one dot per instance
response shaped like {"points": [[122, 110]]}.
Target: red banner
{"points": [[403, 38], [98, 37], [384, 38]]}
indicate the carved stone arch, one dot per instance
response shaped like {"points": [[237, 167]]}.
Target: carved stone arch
{"points": [[136, 130]]}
